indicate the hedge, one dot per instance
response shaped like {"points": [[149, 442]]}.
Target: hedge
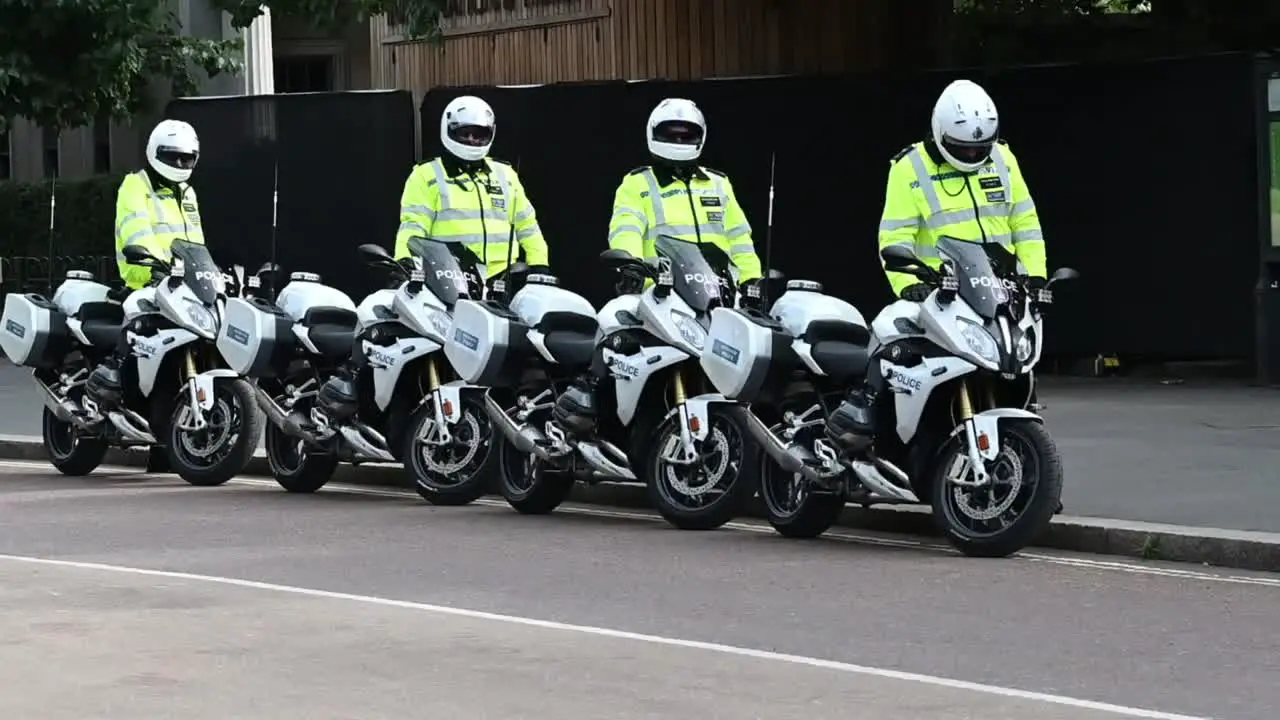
{"points": [[83, 229]]}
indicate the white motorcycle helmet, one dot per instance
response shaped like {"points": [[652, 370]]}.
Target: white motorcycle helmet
{"points": [[467, 127], [676, 130], [173, 150], [965, 125]]}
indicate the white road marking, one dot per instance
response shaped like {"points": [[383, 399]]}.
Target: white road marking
{"points": [[883, 673], [835, 535]]}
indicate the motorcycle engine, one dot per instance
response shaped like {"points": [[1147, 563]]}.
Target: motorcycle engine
{"points": [[575, 410], [337, 399]]}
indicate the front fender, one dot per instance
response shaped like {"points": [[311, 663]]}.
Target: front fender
{"points": [[450, 394], [988, 423], [697, 413], [204, 385]]}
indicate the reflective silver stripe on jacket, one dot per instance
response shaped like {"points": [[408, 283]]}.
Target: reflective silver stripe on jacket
{"points": [[660, 225], [447, 211]]}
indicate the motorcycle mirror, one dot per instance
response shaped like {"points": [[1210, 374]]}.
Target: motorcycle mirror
{"points": [[138, 255], [268, 268], [1065, 273], [517, 268], [776, 275], [374, 254], [617, 258], [901, 259]]}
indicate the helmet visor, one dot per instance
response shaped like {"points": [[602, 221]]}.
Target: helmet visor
{"points": [[177, 158], [969, 151], [678, 132], [472, 135]]}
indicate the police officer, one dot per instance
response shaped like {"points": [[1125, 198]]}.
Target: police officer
{"points": [[463, 196], [154, 207], [964, 182], [673, 196]]}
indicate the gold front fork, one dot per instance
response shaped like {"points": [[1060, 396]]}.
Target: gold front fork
{"points": [[433, 375], [191, 364], [677, 386], [966, 404]]}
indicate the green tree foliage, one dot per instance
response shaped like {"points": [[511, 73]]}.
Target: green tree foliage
{"points": [[64, 63], [1016, 31]]}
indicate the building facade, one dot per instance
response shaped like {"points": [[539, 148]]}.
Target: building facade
{"points": [[514, 42]]}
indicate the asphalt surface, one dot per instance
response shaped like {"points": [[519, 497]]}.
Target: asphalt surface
{"points": [[1201, 454], [362, 603]]}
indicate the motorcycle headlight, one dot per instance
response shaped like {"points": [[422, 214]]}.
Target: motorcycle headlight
{"points": [[980, 342], [202, 319], [1025, 347], [690, 330]]}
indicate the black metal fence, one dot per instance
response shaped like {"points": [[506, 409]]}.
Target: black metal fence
{"points": [[1145, 176]]}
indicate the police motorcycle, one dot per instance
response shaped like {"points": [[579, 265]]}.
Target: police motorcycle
{"points": [[660, 421], [953, 417], [178, 392], [385, 407]]}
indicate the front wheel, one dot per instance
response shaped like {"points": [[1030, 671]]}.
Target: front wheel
{"points": [[712, 490], [214, 454], [1009, 513], [71, 452], [453, 472]]}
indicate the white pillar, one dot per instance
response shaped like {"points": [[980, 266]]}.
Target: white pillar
{"points": [[259, 66]]}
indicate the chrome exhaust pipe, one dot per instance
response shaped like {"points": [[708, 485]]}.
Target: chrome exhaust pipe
{"points": [[133, 432], [62, 409], [521, 437], [364, 446], [279, 417], [789, 456], [870, 476]]}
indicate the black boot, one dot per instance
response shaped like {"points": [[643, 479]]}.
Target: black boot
{"points": [[104, 384], [576, 408], [157, 460], [852, 426]]}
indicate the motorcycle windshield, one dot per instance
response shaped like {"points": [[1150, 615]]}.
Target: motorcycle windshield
{"points": [[442, 274], [200, 274], [695, 281], [980, 286]]}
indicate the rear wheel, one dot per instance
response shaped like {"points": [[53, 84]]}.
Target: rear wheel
{"points": [[1010, 512], [793, 506], [453, 472], [295, 467], [529, 484], [69, 450], [715, 488]]}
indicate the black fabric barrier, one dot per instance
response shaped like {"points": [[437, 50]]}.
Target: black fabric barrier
{"points": [[1144, 175], [342, 160]]}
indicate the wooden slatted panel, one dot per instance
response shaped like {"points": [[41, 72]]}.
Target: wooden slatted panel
{"points": [[652, 39]]}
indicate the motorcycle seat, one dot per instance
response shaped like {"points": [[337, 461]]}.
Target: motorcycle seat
{"points": [[568, 322], [102, 333], [842, 361], [333, 341], [341, 317], [104, 311], [837, 331], [570, 348]]}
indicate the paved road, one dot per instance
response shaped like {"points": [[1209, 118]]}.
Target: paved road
{"points": [[1190, 455], [372, 605]]}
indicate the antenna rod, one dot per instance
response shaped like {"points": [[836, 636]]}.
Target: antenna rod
{"points": [[768, 236], [53, 202]]}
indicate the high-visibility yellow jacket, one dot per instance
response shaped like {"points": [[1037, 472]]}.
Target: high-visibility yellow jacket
{"points": [[153, 217], [651, 202], [442, 202], [927, 198]]}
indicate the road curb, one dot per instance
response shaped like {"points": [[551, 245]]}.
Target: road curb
{"points": [[1150, 541]]}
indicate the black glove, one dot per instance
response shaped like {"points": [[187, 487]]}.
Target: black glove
{"points": [[917, 293], [539, 270], [1037, 283]]}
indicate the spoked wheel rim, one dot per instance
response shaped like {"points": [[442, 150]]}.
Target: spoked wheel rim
{"points": [[784, 495], [988, 511], [456, 463], [207, 447], [711, 477]]}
